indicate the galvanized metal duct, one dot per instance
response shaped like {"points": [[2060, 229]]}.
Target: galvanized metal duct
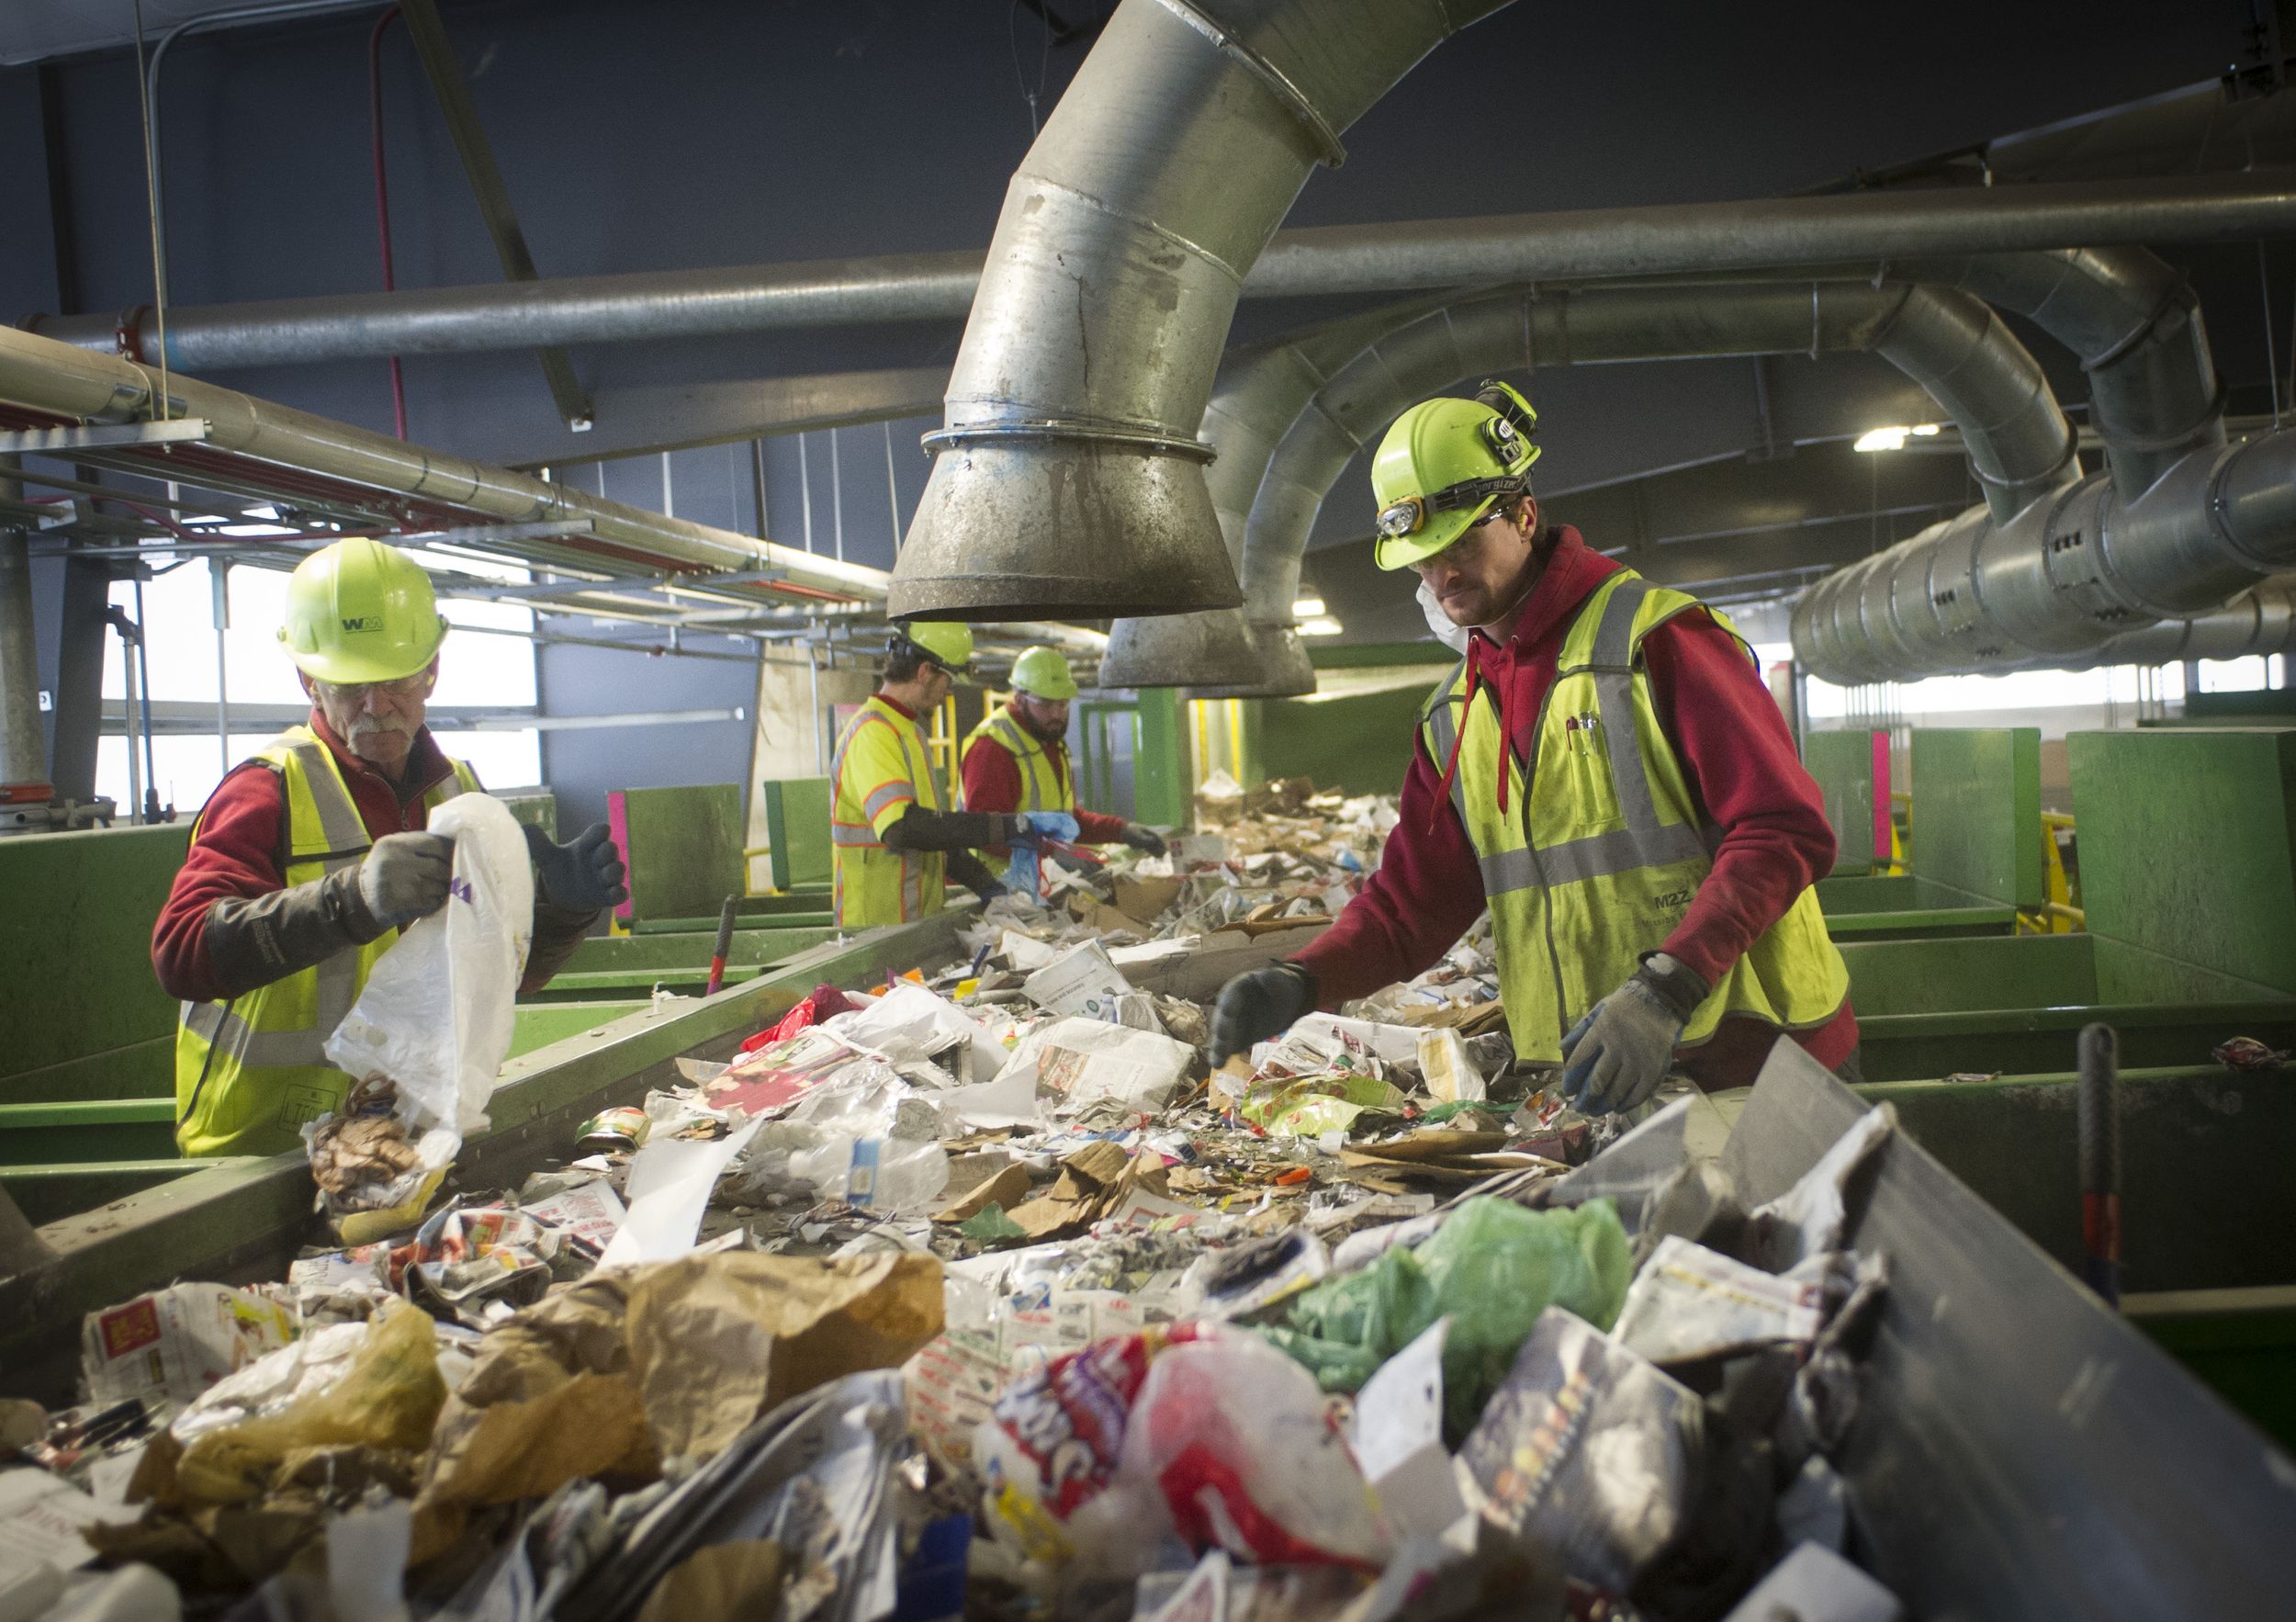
{"points": [[1069, 478], [2135, 324], [1260, 391], [2020, 444], [2261, 621], [2064, 577], [1714, 238], [2161, 537]]}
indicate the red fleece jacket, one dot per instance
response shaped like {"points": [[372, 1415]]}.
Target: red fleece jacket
{"points": [[1740, 760], [241, 850], [992, 783]]}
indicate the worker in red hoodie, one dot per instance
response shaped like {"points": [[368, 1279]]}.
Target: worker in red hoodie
{"points": [[309, 856], [1017, 758], [1604, 770]]}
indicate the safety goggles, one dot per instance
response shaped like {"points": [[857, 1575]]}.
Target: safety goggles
{"points": [[402, 689], [1398, 519]]}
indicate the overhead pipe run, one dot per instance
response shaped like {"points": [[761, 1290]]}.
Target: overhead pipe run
{"points": [[2258, 623], [246, 438], [2176, 527], [1588, 243], [1068, 476], [2062, 580], [2019, 443]]}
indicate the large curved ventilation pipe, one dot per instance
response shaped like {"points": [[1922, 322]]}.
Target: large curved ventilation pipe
{"points": [[1260, 391], [2177, 525], [1068, 478], [2020, 443]]}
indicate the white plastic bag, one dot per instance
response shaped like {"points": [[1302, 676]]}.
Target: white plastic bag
{"points": [[436, 1016]]}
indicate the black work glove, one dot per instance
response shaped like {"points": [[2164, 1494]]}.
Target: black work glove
{"points": [[1140, 837], [1257, 1006], [404, 876], [585, 876]]}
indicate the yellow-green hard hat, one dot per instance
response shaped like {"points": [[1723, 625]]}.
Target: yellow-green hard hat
{"points": [[1042, 672], [361, 611], [1442, 467], [946, 642]]}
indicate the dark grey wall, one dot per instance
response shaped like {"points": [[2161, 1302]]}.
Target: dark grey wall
{"points": [[695, 132]]}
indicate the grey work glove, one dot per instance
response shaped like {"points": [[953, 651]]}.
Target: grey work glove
{"points": [[1140, 837], [1616, 1054], [585, 874], [404, 876], [1257, 1006]]}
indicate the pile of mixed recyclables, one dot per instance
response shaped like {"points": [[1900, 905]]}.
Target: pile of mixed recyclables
{"points": [[980, 1292]]}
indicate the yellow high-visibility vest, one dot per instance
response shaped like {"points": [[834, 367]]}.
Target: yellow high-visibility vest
{"points": [[1600, 846], [1043, 785], [250, 1070], [883, 767]]}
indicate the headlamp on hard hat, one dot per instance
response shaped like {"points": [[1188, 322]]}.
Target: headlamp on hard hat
{"points": [[1400, 518]]}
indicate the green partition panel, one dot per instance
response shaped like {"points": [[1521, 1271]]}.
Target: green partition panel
{"points": [[2187, 851], [1160, 762], [1851, 769], [683, 847], [1995, 971], [797, 830], [534, 807], [76, 945], [1977, 813], [2187, 1134], [1354, 742]]}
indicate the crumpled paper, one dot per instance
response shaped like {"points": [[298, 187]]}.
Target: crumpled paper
{"points": [[718, 1340]]}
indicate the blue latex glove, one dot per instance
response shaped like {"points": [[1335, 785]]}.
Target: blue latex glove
{"points": [[1048, 825], [1618, 1054]]}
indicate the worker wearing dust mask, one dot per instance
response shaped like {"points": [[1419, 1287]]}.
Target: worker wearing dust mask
{"points": [[1605, 770]]}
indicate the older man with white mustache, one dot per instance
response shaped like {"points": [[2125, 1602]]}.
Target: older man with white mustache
{"points": [[308, 858]]}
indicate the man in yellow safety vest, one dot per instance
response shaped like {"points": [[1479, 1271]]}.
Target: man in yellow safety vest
{"points": [[309, 856], [1017, 758], [1603, 769], [893, 842]]}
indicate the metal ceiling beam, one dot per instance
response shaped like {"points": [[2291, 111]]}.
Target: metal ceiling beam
{"points": [[439, 66]]}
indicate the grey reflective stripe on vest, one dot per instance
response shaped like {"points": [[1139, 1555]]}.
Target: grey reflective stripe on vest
{"points": [[1444, 719], [1025, 751], [1597, 856], [345, 830], [1613, 669], [1645, 841]]}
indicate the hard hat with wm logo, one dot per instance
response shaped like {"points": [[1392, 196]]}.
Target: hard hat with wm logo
{"points": [[1042, 672], [361, 611]]}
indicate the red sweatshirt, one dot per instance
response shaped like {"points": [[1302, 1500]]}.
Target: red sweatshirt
{"points": [[992, 783], [1740, 763], [241, 850]]}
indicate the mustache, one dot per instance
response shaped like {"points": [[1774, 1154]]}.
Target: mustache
{"points": [[370, 727]]}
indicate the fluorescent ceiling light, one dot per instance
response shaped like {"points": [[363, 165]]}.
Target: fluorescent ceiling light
{"points": [[1307, 608], [1325, 626], [1893, 439], [264, 511], [256, 529]]}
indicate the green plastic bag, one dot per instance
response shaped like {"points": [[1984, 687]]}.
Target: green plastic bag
{"points": [[1492, 1267]]}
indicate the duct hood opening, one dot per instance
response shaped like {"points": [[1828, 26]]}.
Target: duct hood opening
{"points": [[1068, 479]]}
